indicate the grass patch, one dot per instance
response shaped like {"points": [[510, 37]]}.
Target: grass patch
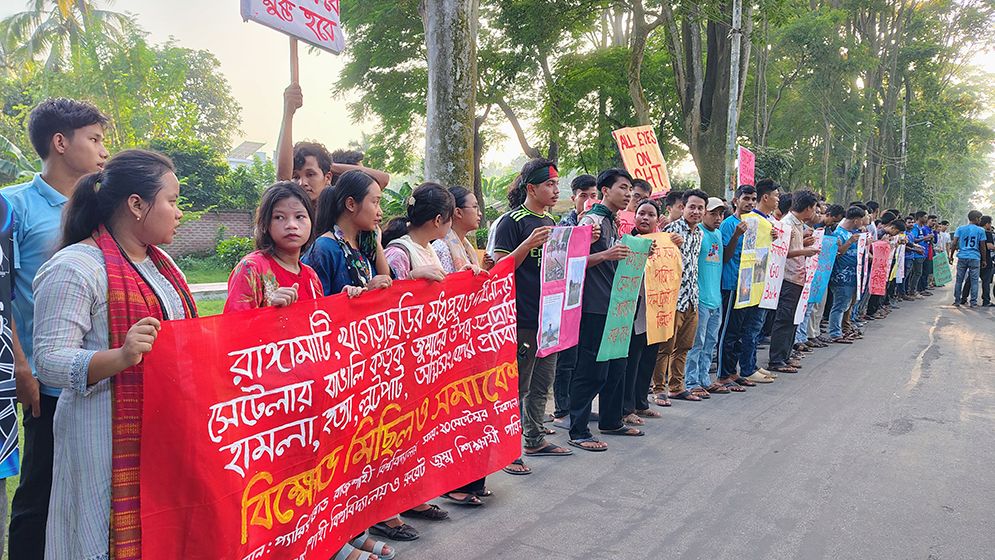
{"points": [[203, 270], [210, 307]]}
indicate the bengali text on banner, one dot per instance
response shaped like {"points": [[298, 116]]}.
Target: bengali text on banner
{"points": [[283, 433]]}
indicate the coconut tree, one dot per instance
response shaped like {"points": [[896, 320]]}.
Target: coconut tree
{"points": [[56, 29]]}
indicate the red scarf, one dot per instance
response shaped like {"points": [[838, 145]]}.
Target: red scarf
{"points": [[129, 299]]}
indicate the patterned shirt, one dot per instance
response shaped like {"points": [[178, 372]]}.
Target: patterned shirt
{"points": [[687, 298]]}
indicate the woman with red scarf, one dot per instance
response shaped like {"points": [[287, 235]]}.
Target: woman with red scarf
{"points": [[99, 304]]}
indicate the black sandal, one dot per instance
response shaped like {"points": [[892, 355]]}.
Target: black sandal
{"points": [[433, 513], [404, 532], [469, 500]]}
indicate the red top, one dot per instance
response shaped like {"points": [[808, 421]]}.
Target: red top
{"points": [[258, 275]]}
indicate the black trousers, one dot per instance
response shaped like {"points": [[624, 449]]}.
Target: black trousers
{"points": [[29, 509], [592, 378], [638, 374], [782, 337]]}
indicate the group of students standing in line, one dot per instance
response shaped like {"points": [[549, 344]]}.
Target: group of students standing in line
{"points": [[92, 287]]}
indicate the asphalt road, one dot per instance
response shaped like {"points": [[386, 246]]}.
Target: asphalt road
{"points": [[880, 450]]}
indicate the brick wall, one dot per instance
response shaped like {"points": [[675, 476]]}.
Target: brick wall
{"points": [[200, 236]]}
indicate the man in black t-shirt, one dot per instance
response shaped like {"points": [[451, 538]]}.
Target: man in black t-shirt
{"points": [[592, 378], [521, 236]]}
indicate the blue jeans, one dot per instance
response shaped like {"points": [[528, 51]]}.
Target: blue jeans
{"points": [[801, 333], [841, 300], [700, 356], [967, 268]]}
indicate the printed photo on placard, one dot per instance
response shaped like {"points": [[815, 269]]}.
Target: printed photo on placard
{"points": [[552, 305], [760, 268], [556, 254], [745, 285], [750, 237], [575, 281]]}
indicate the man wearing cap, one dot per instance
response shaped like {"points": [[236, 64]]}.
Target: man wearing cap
{"points": [[673, 354], [696, 375]]}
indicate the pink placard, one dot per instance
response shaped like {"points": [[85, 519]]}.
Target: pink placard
{"points": [[626, 221], [747, 165], [880, 267], [564, 267]]}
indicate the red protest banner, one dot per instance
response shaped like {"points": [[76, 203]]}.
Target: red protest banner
{"points": [[880, 267], [312, 21], [747, 165], [282, 433], [642, 157]]}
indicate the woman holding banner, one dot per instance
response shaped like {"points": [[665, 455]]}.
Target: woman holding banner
{"points": [[99, 303]]}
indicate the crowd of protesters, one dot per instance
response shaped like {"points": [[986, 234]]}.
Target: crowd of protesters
{"points": [[92, 286]]}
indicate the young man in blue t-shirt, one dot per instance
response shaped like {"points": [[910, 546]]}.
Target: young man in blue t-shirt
{"points": [[709, 303], [68, 136], [968, 242]]}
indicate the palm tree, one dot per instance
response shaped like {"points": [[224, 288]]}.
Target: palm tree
{"points": [[57, 29]]}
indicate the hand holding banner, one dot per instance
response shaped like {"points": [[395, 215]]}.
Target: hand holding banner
{"points": [[754, 261], [312, 422], [625, 296], [778, 257]]}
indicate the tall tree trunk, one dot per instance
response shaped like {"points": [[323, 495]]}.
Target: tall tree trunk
{"points": [[451, 42]]}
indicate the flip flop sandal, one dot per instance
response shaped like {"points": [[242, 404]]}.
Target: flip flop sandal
{"points": [[404, 532], [547, 431], [378, 547], [701, 393], [634, 420], [433, 513], [521, 463], [686, 396], [734, 387], [485, 493], [549, 450], [578, 443], [744, 382], [720, 389], [623, 431], [469, 500], [783, 369], [648, 413], [664, 402]]}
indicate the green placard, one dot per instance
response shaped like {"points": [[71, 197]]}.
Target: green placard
{"points": [[625, 298], [941, 269]]}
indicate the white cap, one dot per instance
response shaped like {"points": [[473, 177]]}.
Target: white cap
{"points": [[713, 203]]}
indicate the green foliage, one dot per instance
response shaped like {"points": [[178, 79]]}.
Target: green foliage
{"points": [[200, 166], [231, 250], [395, 201], [149, 91], [14, 165]]}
